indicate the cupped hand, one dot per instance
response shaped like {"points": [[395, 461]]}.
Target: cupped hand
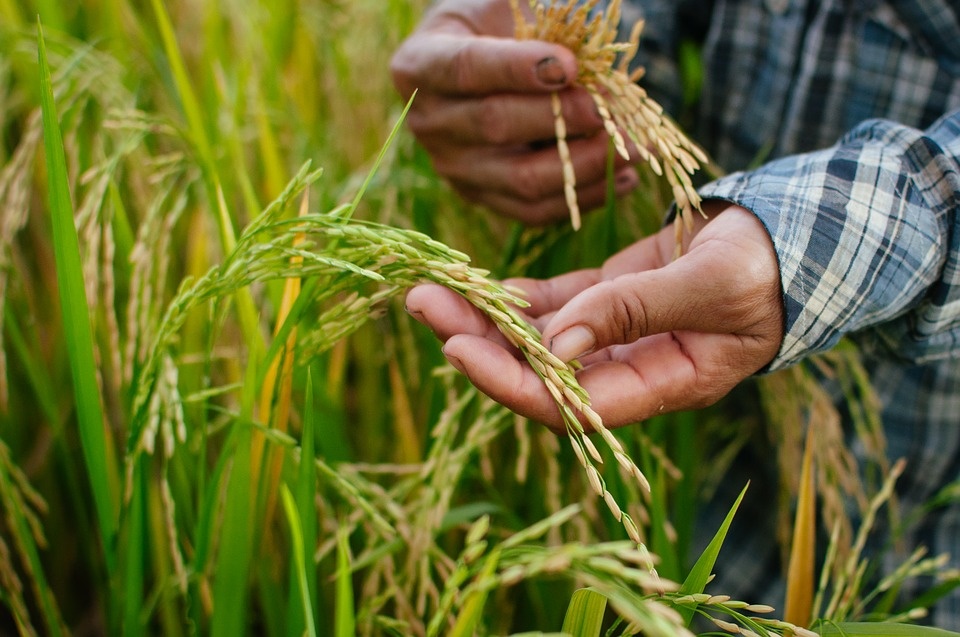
{"points": [[483, 112], [654, 334]]}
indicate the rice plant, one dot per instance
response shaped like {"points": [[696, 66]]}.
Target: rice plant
{"points": [[216, 416]]}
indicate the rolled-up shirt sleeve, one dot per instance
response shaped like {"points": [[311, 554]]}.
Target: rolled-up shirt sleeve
{"points": [[867, 234]]}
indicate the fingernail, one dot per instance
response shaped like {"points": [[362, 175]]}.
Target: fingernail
{"points": [[573, 342], [417, 314], [453, 360], [550, 72]]}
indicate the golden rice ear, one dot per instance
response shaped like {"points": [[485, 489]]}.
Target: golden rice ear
{"points": [[626, 109]]}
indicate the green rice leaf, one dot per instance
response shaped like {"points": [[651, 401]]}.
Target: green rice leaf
{"points": [[134, 553], [78, 333], [299, 560], [700, 573], [880, 629], [306, 491], [236, 549], [348, 212], [188, 98], [472, 611], [584, 616], [345, 620]]}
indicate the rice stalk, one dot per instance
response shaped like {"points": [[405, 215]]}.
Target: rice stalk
{"points": [[305, 491], [300, 562], [796, 399], [275, 411], [623, 104], [97, 440], [847, 584], [358, 253], [22, 506]]}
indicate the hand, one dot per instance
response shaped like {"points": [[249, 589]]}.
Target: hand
{"points": [[483, 113], [653, 334]]}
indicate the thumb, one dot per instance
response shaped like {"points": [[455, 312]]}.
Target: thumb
{"points": [[708, 290]]}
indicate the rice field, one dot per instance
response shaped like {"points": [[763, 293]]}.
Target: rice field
{"points": [[216, 417]]}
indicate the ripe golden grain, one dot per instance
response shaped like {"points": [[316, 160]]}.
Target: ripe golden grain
{"points": [[622, 103]]}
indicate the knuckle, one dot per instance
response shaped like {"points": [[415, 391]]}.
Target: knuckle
{"points": [[462, 68], [490, 117], [621, 315], [526, 182], [629, 317], [581, 113]]}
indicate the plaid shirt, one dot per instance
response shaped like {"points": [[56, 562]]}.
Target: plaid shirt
{"points": [[854, 105]]}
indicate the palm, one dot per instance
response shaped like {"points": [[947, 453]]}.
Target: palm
{"points": [[671, 334]]}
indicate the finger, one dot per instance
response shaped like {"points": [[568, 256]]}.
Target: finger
{"points": [[649, 253], [459, 64], [500, 118], [550, 208], [708, 290], [546, 296], [671, 372], [504, 378], [532, 176], [447, 313]]}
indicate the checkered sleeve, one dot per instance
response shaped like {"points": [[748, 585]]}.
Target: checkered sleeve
{"points": [[867, 233]]}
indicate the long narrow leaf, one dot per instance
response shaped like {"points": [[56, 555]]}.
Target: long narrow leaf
{"points": [[700, 573], [800, 572], [397, 127], [299, 560], [78, 333], [237, 547], [306, 491], [201, 141], [880, 629], [345, 620], [472, 611], [188, 97], [584, 616], [134, 553]]}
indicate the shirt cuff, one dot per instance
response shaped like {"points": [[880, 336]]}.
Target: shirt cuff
{"points": [[857, 243]]}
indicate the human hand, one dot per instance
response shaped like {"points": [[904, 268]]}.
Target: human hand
{"points": [[654, 334], [483, 113]]}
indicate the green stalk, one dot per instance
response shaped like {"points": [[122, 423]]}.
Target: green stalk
{"points": [[78, 333], [880, 629], [306, 490], [306, 295], [236, 548], [471, 612], [345, 620], [299, 565], [23, 539], [201, 140], [684, 429], [35, 372], [135, 553]]}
